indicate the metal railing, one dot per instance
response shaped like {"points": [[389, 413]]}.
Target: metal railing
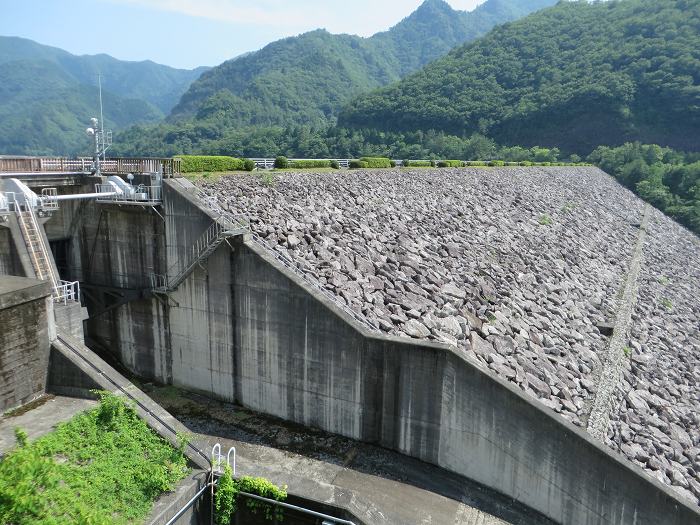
{"points": [[202, 248], [48, 200], [67, 291], [142, 194], [213, 205], [268, 164], [118, 166]]}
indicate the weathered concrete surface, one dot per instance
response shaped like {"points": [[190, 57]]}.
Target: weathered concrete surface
{"points": [[243, 328], [42, 419], [375, 485], [170, 503], [24, 339]]}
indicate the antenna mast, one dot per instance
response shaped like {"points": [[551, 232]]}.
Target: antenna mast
{"points": [[102, 119]]}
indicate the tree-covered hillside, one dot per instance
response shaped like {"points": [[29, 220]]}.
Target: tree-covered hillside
{"points": [[44, 111], [47, 96], [575, 76], [306, 79], [157, 84]]}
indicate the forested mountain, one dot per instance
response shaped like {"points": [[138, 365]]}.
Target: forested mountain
{"points": [[307, 78], [157, 84], [574, 76], [47, 96]]}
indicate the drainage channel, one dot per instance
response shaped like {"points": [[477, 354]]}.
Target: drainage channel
{"points": [[611, 374]]}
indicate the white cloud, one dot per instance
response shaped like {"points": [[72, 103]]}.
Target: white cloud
{"points": [[364, 17]]}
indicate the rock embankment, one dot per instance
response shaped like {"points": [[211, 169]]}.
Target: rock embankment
{"points": [[518, 267]]}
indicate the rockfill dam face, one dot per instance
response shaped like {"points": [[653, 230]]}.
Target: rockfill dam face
{"points": [[462, 317]]}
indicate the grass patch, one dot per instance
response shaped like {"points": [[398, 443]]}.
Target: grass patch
{"points": [[104, 466], [545, 220], [666, 303], [211, 176]]}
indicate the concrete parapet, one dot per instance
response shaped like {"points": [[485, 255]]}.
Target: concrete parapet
{"points": [[25, 311]]}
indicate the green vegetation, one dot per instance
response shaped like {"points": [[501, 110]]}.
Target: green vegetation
{"points": [[227, 494], [575, 76], [450, 164], [627, 351], [668, 179], [666, 303], [203, 163], [281, 163], [47, 96], [417, 164], [545, 220], [103, 467], [306, 79], [375, 162], [308, 164], [268, 178]]}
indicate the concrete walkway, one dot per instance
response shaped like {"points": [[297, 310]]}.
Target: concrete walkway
{"points": [[376, 485], [41, 419]]}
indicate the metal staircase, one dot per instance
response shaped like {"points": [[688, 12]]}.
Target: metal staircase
{"points": [[41, 257], [220, 230]]}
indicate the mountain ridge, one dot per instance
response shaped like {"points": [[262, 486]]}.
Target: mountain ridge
{"points": [[307, 78]]}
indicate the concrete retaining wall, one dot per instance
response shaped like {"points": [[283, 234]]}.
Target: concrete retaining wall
{"points": [[24, 339], [244, 329]]}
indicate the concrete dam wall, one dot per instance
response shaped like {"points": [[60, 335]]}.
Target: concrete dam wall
{"points": [[244, 328]]}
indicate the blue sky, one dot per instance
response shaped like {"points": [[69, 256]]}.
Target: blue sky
{"points": [[190, 33]]}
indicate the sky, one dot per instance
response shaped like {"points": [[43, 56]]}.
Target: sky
{"points": [[191, 33]]}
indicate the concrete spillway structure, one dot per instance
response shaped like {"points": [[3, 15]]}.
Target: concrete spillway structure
{"points": [[242, 327]]}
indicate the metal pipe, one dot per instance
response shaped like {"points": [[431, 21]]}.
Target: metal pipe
{"points": [[188, 504], [80, 196], [335, 521]]}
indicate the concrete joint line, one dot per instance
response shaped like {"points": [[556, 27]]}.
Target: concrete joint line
{"points": [[611, 374]]}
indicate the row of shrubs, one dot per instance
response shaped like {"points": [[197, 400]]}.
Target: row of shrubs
{"points": [[204, 163]]}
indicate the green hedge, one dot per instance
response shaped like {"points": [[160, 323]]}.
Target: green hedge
{"points": [[201, 163], [450, 164], [356, 164], [475, 163], [376, 162], [306, 164], [417, 163], [496, 163], [281, 162]]}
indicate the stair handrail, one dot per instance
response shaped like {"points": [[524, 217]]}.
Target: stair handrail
{"points": [[30, 247], [220, 229], [213, 205]]}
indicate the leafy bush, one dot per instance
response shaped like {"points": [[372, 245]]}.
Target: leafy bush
{"points": [[200, 163], [281, 162], [450, 164], [392, 163], [306, 164], [225, 498], [357, 164], [376, 162], [417, 163], [496, 163], [335, 164], [475, 163], [248, 165], [104, 466], [228, 491]]}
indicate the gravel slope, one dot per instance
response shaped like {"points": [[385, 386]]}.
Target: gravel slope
{"points": [[517, 267]]}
